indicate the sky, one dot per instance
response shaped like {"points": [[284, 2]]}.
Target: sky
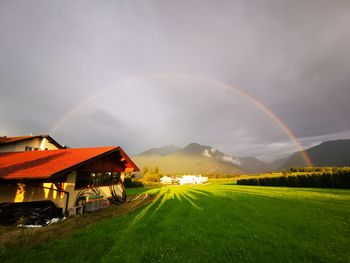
{"points": [[143, 74]]}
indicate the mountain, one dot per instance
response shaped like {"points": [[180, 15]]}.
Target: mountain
{"points": [[197, 158], [162, 151], [329, 153], [194, 158], [254, 165], [277, 164], [150, 158]]}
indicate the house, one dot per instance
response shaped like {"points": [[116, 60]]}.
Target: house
{"points": [[68, 177], [28, 143], [192, 179], [167, 180]]}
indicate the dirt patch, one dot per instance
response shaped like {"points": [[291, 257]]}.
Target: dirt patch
{"points": [[10, 236]]}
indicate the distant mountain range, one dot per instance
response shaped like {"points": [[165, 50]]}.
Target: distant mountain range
{"points": [[194, 158], [329, 153], [197, 158]]}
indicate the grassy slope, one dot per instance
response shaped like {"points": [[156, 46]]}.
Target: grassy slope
{"points": [[149, 160], [195, 164], [214, 223]]}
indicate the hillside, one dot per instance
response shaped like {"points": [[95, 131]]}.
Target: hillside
{"points": [[329, 153], [254, 165], [194, 158], [162, 151], [197, 158], [277, 164], [151, 157]]}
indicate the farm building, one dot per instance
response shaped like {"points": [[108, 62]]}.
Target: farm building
{"points": [[192, 179], [67, 177], [167, 180], [28, 143]]}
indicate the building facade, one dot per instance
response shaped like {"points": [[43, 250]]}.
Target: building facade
{"points": [[28, 143], [68, 177]]}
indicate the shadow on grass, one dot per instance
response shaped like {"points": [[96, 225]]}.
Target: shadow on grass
{"points": [[187, 196], [195, 196], [183, 195]]}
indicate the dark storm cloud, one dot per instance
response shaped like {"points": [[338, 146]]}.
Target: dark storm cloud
{"points": [[293, 56]]}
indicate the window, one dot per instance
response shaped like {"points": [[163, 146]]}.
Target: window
{"points": [[96, 179], [115, 178], [92, 179], [28, 148], [106, 178], [82, 180]]}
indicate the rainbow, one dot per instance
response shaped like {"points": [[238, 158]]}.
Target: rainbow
{"points": [[215, 83]]}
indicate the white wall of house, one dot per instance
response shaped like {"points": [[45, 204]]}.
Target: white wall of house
{"points": [[27, 193], [167, 180], [192, 179], [40, 143]]}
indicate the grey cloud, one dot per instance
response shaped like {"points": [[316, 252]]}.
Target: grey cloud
{"points": [[293, 56], [104, 118]]}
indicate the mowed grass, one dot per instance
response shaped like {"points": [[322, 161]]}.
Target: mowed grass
{"points": [[136, 190], [213, 223]]}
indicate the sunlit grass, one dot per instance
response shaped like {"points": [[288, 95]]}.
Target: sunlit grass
{"points": [[136, 190], [213, 223]]}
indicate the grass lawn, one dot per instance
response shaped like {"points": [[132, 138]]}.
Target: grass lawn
{"points": [[136, 190], [212, 223]]}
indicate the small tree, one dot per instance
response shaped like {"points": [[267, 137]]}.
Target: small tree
{"points": [[156, 170]]}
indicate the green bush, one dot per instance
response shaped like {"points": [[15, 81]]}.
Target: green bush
{"points": [[330, 178], [130, 183], [151, 177]]}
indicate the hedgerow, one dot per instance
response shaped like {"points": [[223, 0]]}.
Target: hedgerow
{"points": [[332, 179]]}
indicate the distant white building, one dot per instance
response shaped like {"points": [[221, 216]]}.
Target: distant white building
{"points": [[192, 179], [167, 180]]}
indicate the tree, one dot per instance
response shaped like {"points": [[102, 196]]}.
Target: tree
{"points": [[156, 170]]}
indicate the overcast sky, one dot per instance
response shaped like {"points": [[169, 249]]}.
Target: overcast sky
{"points": [[142, 74]]}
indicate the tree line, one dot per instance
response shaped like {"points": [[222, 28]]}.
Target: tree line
{"points": [[151, 175], [334, 178]]}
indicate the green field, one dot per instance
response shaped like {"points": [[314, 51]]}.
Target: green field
{"points": [[213, 223]]}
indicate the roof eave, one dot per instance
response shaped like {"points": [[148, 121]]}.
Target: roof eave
{"points": [[136, 169]]}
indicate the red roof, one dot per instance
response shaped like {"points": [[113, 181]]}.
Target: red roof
{"points": [[44, 164], [6, 139]]}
